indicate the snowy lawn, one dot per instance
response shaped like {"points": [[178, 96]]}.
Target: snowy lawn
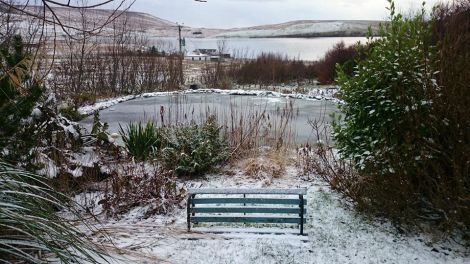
{"points": [[336, 234]]}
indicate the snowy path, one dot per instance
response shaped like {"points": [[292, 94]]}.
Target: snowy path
{"points": [[336, 234]]}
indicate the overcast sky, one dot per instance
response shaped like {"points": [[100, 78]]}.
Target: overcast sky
{"points": [[241, 13]]}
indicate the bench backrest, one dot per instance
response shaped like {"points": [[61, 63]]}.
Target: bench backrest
{"points": [[286, 206]]}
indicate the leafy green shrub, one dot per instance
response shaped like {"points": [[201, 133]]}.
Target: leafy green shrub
{"points": [[84, 98], [390, 128], [30, 225], [141, 140], [19, 94], [70, 113], [193, 149], [390, 92]]}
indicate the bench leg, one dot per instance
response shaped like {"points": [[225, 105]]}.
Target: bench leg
{"points": [[188, 212], [301, 197]]}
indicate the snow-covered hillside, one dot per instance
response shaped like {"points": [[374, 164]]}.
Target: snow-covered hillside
{"points": [[153, 26], [306, 28]]}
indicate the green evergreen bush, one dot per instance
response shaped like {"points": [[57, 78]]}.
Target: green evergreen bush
{"points": [[19, 94], [71, 113], [192, 150], [389, 99], [388, 123]]}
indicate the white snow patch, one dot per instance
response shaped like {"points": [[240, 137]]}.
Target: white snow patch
{"points": [[316, 94], [49, 169], [36, 113], [336, 234]]}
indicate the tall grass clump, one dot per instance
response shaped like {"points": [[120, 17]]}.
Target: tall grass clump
{"points": [[31, 230], [141, 140], [398, 124]]}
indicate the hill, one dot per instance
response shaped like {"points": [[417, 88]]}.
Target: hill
{"points": [[153, 26]]}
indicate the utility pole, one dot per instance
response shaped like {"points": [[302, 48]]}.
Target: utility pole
{"points": [[180, 55], [180, 41]]}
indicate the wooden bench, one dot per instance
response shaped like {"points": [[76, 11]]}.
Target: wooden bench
{"points": [[283, 206]]}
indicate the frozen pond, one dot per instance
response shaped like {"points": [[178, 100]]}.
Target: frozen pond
{"points": [[228, 108]]}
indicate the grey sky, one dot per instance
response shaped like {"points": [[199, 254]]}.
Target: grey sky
{"points": [[240, 13]]}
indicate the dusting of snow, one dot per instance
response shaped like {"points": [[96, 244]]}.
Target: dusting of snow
{"points": [[86, 159], [305, 28], [314, 94], [336, 233], [36, 113], [49, 167]]}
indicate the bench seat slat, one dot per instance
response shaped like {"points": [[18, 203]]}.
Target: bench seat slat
{"points": [[245, 201], [298, 191], [246, 210], [235, 219]]}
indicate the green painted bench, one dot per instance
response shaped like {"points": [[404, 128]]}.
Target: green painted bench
{"points": [[283, 206]]}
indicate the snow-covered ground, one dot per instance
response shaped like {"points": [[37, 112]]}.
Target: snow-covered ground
{"points": [[313, 94], [336, 234]]}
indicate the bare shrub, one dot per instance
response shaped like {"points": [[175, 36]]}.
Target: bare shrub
{"points": [[218, 75], [325, 69], [266, 69], [142, 185], [265, 165], [451, 170], [269, 68], [110, 73], [322, 159]]}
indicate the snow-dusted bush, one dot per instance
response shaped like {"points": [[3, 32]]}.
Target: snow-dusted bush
{"points": [[388, 101], [141, 185], [193, 149], [32, 133], [389, 127], [70, 113]]}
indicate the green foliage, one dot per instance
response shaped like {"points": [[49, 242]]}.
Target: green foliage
{"points": [[193, 149], [84, 98], [141, 140], [29, 223], [71, 113], [19, 94], [99, 129], [389, 100], [405, 125], [187, 149]]}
